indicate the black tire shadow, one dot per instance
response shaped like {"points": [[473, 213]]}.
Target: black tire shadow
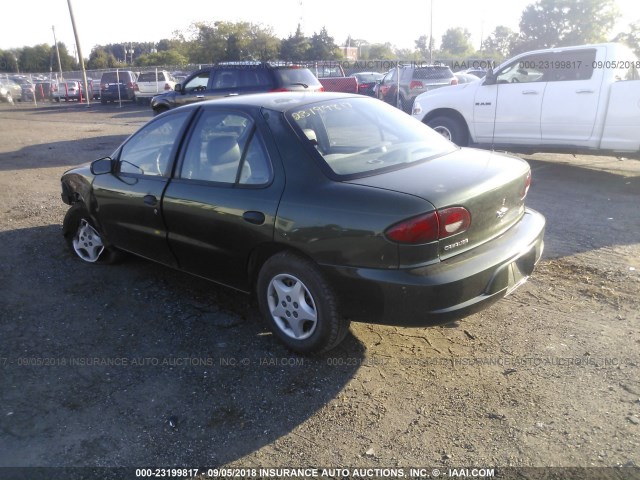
{"points": [[136, 364]]}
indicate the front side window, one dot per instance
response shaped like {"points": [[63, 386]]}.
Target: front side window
{"points": [[197, 83], [226, 148], [533, 68], [148, 152], [359, 137]]}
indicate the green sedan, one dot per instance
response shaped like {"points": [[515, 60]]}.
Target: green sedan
{"points": [[330, 208]]}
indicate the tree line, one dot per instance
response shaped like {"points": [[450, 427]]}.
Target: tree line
{"points": [[544, 24]]}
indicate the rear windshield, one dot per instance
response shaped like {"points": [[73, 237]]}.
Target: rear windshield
{"points": [[112, 77], [431, 73], [368, 77], [290, 76], [362, 136], [151, 77]]}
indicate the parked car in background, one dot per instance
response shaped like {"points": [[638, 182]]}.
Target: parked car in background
{"points": [[238, 78], [478, 72], [414, 80], [69, 90], [26, 86], [150, 84], [466, 78], [329, 207], [117, 85], [367, 82], [95, 87], [43, 90], [580, 100], [10, 91], [333, 78]]}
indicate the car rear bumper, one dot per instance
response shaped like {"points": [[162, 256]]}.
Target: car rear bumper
{"points": [[445, 291]]}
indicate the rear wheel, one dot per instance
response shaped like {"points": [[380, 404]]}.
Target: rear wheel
{"points": [[451, 129], [299, 305], [85, 239]]}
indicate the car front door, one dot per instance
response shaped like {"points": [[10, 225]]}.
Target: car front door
{"points": [[196, 88], [508, 111], [223, 200], [128, 200]]}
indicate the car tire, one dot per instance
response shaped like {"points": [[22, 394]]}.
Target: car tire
{"points": [[160, 109], [451, 129], [299, 305], [84, 238]]}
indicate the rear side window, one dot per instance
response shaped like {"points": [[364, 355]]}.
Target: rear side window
{"points": [[226, 148], [573, 65], [290, 76]]}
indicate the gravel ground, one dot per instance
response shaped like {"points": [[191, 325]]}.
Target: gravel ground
{"points": [[139, 365]]}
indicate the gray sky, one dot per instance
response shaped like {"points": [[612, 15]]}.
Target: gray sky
{"points": [[142, 20]]}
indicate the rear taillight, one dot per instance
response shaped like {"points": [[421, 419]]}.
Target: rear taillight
{"points": [[321, 89], [430, 227], [527, 184], [416, 84], [136, 88], [167, 86], [454, 81], [453, 220], [132, 85]]}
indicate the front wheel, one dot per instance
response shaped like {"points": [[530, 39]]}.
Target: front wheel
{"points": [[84, 238], [451, 129], [299, 305]]}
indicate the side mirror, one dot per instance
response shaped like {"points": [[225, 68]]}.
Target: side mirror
{"points": [[490, 77], [178, 87], [102, 166]]}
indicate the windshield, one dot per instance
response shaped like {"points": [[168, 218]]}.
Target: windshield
{"points": [[362, 136]]}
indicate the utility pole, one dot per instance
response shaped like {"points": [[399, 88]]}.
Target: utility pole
{"points": [[431, 35], [87, 92], [57, 52]]}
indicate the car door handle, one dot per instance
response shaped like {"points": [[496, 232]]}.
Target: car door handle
{"points": [[530, 92], [257, 218], [150, 200], [231, 95], [584, 91], [199, 96]]}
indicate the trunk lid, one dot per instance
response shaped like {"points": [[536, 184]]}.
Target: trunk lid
{"points": [[489, 185]]}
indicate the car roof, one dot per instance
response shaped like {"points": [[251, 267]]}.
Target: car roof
{"points": [[278, 101]]}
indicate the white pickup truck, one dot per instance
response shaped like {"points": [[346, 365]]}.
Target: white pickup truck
{"points": [[582, 99]]}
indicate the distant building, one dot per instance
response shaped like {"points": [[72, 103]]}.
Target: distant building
{"points": [[349, 53]]}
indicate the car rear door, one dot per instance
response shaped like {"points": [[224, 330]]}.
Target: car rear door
{"points": [[572, 97], [223, 200], [128, 201]]}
